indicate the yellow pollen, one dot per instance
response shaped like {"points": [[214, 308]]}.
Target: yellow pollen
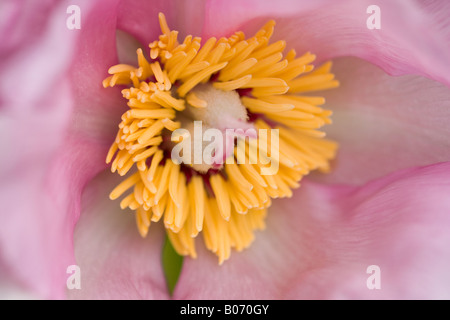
{"points": [[171, 81]]}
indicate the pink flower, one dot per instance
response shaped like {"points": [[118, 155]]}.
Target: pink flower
{"points": [[385, 202]]}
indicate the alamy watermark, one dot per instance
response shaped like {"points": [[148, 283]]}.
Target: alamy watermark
{"points": [[374, 20], [74, 280], [213, 147], [374, 280], [73, 22]]}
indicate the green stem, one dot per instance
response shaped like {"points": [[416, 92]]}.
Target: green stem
{"points": [[172, 263]]}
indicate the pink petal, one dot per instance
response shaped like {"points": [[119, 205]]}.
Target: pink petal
{"points": [[384, 123], [56, 130], [115, 262], [319, 244], [140, 18], [35, 110], [224, 17], [413, 39], [121, 265]]}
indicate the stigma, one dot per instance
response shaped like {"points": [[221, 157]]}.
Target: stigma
{"points": [[244, 86]]}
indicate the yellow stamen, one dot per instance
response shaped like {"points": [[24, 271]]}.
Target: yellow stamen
{"points": [[150, 132], [221, 195], [120, 68], [198, 77], [233, 84], [195, 101], [166, 92], [236, 71], [154, 165]]}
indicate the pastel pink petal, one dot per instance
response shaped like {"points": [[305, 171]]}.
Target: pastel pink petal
{"points": [[413, 39], [35, 99], [55, 133], [320, 243], [140, 18], [384, 123], [115, 262], [122, 265], [96, 109], [22, 22], [224, 17]]}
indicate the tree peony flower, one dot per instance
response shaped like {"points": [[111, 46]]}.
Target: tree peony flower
{"points": [[376, 226], [262, 129]]}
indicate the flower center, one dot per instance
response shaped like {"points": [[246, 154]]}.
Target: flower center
{"points": [[234, 83], [214, 109]]}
